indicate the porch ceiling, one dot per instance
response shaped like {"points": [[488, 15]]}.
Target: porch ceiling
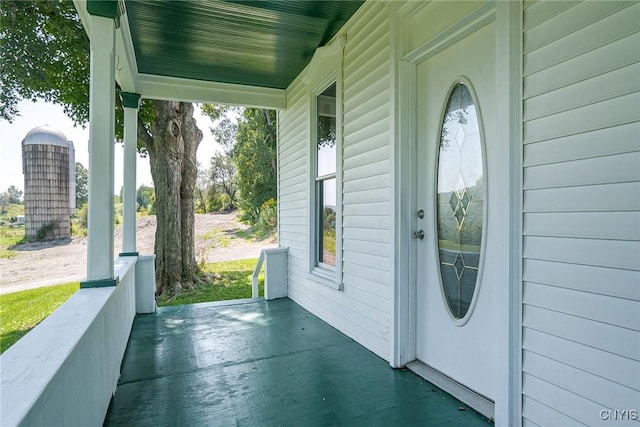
{"points": [[253, 43]]}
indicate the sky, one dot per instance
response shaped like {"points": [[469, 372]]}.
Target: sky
{"points": [[43, 113]]}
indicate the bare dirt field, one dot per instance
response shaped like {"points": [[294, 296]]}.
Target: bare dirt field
{"points": [[219, 237]]}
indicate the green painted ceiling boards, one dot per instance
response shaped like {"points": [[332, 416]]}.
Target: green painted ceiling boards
{"points": [[257, 43]]}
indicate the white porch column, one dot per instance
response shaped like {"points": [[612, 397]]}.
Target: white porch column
{"points": [[130, 103], [101, 144]]}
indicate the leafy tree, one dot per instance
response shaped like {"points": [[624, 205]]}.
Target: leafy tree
{"points": [[146, 198], [83, 219], [224, 178], [251, 144], [201, 191], [82, 185], [4, 201], [45, 54], [44, 46], [14, 195], [225, 120], [255, 157]]}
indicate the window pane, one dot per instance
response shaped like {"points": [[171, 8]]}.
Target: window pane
{"points": [[327, 224], [326, 107], [460, 201]]}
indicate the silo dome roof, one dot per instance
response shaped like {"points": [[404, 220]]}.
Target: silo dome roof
{"points": [[46, 135]]}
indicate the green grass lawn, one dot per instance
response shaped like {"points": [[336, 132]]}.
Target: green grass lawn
{"points": [[219, 237], [22, 311], [11, 211], [234, 283], [9, 237]]}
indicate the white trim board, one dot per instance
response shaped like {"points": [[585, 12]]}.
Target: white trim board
{"points": [[403, 101], [508, 409], [461, 29], [126, 65], [480, 403], [178, 89]]}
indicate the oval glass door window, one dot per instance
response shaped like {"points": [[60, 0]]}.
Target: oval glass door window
{"points": [[460, 201]]}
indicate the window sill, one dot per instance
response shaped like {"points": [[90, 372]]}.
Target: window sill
{"points": [[325, 277]]}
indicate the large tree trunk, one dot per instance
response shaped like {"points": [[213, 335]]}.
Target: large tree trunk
{"points": [[189, 177], [172, 151]]}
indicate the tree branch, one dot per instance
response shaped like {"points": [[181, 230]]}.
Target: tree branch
{"points": [[266, 116], [144, 136]]}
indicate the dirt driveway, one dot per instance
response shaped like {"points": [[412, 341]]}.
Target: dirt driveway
{"points": [[219, 237]]}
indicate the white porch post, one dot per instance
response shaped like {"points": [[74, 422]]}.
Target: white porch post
{"points": [[130, 103], [101, 144]]}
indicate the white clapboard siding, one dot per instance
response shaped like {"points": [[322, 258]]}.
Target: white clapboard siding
{"points": [[604, 59], [620, 139], [362, 309], [613, 282], [292, 188], [581, 222], [585, 225]]}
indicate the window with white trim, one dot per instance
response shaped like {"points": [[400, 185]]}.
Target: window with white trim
{"points": [[324, 80], [326, 188]]}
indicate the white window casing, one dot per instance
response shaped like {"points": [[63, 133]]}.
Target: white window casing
{"points": [[324, 71]]}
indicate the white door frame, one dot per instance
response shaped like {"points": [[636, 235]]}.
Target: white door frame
{"points": [[508, 17]]}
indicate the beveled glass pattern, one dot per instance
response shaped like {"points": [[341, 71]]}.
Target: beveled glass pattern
{"points": [[460, 201]]}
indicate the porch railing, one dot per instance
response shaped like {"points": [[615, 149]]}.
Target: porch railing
{"points": [[66, 369], [275, 273], [255, 289]]}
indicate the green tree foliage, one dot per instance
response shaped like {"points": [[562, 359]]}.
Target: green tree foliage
{"points": [[45, 54], [146, 199], [225, 120], [4, 202], [255, 157], [209, 196], [224, 179], [82, 185], [80, 223], [251, 145], [201, 192], [14, 195]]}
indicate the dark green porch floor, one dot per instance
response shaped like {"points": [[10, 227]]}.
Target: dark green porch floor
{"points": [[259, 363]]}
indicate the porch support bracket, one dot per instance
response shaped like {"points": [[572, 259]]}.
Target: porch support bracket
{"points": [[101, 151], [130, 102]]}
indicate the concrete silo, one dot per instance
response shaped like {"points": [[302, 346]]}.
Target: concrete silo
{"points": [[48, 164]]}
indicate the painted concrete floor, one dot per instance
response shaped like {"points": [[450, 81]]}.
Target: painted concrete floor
{"points": [[266, 363]]}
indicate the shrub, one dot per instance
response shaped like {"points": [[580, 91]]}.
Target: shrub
{"points": [[267, 218], [117, 214], [44, 232], [79, 222]]}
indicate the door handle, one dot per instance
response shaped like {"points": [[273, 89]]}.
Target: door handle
{"points": [[418, 234]]}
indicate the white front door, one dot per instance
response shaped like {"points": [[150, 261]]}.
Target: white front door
{"points": [[457, 260]]}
